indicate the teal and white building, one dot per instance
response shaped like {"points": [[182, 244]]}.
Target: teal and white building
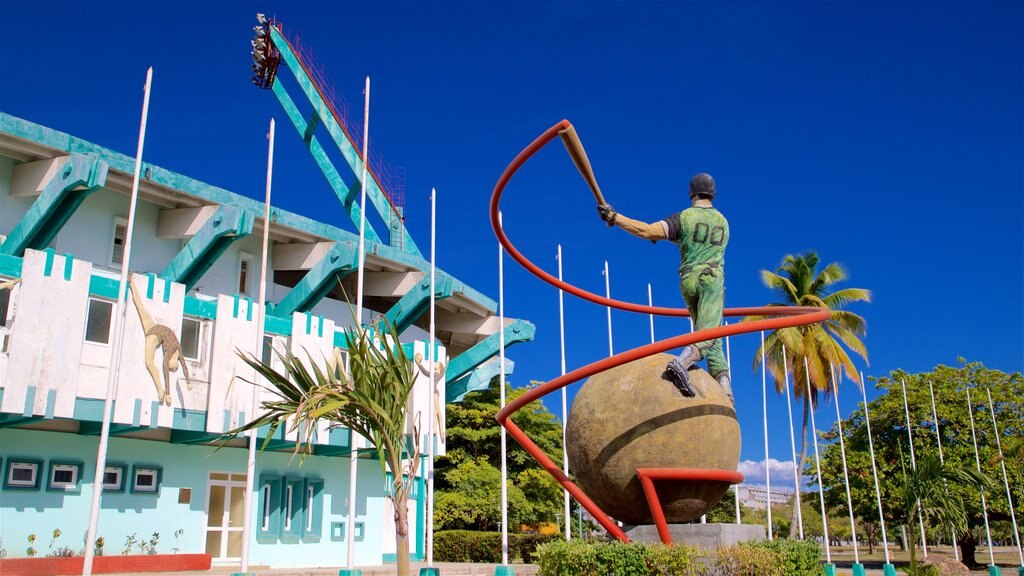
{"points": [[195, 260]]}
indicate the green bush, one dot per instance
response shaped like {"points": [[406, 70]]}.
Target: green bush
{"points": [[581, 558], [675, 561], [622, 559], [799, 557], [526, 545], [467, 546], [561, 558], [747, 560]]}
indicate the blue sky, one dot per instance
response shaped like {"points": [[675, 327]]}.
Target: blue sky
{"points": [[885, 136]]}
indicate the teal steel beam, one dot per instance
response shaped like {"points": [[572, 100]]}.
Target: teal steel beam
{"points": [[93, 429], [410, 307], [226, 226], [341, 260], [400, 238], [348, 196], [79, 177], [461, 365], [478, 379]]}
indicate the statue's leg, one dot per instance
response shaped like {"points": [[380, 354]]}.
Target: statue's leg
{"points": [[151, 345], [677, 371]]}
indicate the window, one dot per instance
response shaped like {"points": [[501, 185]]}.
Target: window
{"points": [[244, 274], [270, 506], [191, 337], [113, 479], [146, 479], [313, 505], [309, 508], [22, 474], [64, 476], [292, 506], [268, 349], [5, 304], [117, 248], [97, 323], [288, 508], [265, 523]]}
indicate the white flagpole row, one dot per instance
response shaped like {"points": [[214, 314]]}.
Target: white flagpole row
{"points": [[250, 467], [792, 445], [817, 465], [874, 469], [977, 460], [942, 460], [432, 359], [1006, 482], [353, 464], [764, 412], [846, 476], [119, 315], [501, 383], [608, 294], [913, 463], [565, 450]]}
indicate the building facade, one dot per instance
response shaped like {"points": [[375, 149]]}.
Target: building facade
{"points": [[195, 269]]}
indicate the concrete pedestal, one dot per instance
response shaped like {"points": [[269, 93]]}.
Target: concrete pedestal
{"points": [[703, 536]]}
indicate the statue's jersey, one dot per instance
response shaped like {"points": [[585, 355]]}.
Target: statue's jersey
{"points": [[701, 233]]}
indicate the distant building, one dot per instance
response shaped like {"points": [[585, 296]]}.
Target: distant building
{"points": [[756, 497]]}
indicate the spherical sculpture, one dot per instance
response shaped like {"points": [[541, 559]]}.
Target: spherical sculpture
{"points": [[628, 418]]}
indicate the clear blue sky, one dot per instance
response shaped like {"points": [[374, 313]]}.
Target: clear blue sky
{"points": [[885, 136]]}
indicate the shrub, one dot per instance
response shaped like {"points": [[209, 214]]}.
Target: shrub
{"points": [[747, 560], [526, 545], [561, 558], [622, 559], [467, 546], [675, 561], [581, 558], [799, 557]]}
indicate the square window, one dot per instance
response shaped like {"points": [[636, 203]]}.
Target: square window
{"points": [[97, 323], [244, 274], [5, 303], [146, 479], [22, 474], [113, 478], [64, 476], [191, 337], [117, 247]]}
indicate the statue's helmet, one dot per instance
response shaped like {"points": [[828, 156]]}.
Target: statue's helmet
{"points": [[702, 184]]}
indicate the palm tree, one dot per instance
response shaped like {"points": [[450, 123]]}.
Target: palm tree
{"points": [[370, 399], [798, 282]]}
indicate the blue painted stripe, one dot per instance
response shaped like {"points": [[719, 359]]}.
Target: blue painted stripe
{"points": [[48, 267], [137, 413], [320, 331], [30, 400], [248, 313], [51, 403], [309, 322], [167, 290], [151, 286], [154, 413], [227, 421], [69, 262], [234, 311]]}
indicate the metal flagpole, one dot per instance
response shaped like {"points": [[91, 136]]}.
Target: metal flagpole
{"points": [[501, 383], [764, 411], [353, 463], [115, 356], [874, 469], [792, 445], [728, 362], [565, 451], [817, 465], [608, 294], [942, 460], [913, 463], [1006, 482], [846, 476], [977, 460], [250, 468], [650, 302], [432, 359]]}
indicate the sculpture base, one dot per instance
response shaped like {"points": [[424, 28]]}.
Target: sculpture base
{"points": [[704, 536]]}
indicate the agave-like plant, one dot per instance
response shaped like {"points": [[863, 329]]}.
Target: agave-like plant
{"points": [[370, 398]]}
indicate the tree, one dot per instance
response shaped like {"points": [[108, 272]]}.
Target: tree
{"points": [[818, 347], [468, 478], [889, 430], [371, 400]]}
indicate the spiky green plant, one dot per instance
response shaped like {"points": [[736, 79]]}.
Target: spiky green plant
{"points": [[370, 399]]}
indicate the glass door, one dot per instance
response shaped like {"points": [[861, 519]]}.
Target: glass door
{"points": [[225, 515]]}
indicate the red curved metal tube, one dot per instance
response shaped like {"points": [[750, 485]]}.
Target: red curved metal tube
{"points": [[786, 317], [649, 475]]}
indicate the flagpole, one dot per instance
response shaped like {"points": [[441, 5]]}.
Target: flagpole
{"points": [[432, 359], [1006, 482], [913, 463], [874, 468], [942, 460], [764, 412], [846, 475], [115, 356], [728, 362], [261, 308], [817, 465], [650, 302], [565, 450], [353, 463], [792, 444], [608, 294], [977, 460], [501, 384]]}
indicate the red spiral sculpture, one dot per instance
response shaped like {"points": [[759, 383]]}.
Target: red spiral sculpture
{"points": [[786, 317]]}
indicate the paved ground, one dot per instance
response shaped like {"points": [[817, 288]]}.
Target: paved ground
{"points": [[446, 569]]}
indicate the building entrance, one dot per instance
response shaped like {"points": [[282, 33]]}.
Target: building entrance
{"points": [[225, 514]]}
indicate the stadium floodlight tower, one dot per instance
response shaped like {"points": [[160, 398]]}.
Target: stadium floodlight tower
{"points": [[265, 57]]}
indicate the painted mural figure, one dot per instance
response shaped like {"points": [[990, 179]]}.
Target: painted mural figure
{"points": [[702, 233], [439, 368], [160, 336]]}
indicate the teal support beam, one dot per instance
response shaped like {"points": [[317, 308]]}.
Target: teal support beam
{"points": [[227, 225], [410, 307], [478, 379], [517, 331], [401, 238], [79, 177], [341, 260], [349, 197]]}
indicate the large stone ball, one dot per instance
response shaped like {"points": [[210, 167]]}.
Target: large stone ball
{"points": [[628, 418]]}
